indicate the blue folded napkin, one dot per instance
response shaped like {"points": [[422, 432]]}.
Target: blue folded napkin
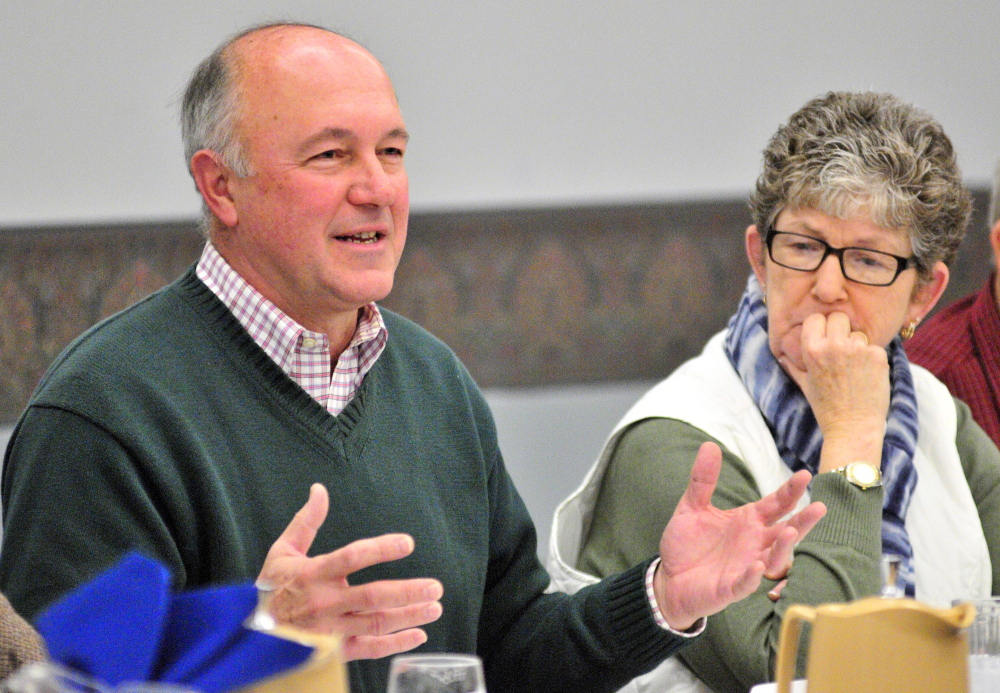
{"points": [[126, 626]]}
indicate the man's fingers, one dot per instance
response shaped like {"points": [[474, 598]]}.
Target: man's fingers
{"points": [[775, 593], [748, 583], [779, 557], [376, 608], [363, 553], [376, 647], [704, 475], [387, 594], [301, 531], [794, 530], [775, 506], [804, 520], [387, 621]]}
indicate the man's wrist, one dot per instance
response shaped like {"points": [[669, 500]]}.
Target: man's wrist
{"points": [[695, 629]]}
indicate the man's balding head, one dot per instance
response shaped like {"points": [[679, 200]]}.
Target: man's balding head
{"points": [[213, 100]]}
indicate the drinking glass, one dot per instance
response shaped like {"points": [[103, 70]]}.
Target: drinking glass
{"points": [[436, 673], [984, 647], [892, 586]]}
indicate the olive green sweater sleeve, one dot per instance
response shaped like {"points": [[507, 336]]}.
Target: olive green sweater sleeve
{"points": [[648, 473], [981, 462]]}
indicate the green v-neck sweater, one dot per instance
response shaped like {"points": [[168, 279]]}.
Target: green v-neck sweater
{"points": [[168, 430]]}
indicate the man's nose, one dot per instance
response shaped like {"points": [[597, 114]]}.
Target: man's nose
{"points": [[830, 283], [372, 185]]}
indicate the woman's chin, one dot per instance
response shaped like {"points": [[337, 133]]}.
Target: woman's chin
{"points": [[790, 358]]}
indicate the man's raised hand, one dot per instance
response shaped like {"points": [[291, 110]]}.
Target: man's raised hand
{"points": [[710, 558], [376, 619]]}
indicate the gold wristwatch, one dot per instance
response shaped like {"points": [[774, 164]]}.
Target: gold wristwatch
{"points": [[861, 474]]}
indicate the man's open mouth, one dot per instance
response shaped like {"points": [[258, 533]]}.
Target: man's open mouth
{"points": [[365, 237]]}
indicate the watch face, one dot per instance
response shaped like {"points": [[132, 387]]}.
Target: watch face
{"points": [[864, 474]]}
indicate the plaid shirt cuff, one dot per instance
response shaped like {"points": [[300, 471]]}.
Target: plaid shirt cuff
{"points": [[695, 629]]}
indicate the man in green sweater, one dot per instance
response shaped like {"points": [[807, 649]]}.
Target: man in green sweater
{"points": [[190, 426]]}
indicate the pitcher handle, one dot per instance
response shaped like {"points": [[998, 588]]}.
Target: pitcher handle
{"points": [[961, 615], [788, 644]]}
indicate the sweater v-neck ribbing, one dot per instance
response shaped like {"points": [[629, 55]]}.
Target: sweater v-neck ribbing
{"points": [[237, 344]]}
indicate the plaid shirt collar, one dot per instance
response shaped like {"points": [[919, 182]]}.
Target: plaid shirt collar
{"points": [[302, 354]]}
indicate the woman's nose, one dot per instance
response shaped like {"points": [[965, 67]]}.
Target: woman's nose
{"points": [[830, 284]]}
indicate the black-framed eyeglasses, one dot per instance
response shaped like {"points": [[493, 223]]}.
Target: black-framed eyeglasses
{"points": [[861, 265]]}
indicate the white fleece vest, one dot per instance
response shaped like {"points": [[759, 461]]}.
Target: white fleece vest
{"points": [[951, 559]]}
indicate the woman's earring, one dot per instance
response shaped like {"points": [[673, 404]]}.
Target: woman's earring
{"points": [[908, 331], [763, 293]]}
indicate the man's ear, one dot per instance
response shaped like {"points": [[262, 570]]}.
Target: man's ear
{"points": [[926, 296], [755, 253], [212, 178]]}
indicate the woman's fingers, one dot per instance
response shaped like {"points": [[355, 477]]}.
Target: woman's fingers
{"points": [[846, 380]]}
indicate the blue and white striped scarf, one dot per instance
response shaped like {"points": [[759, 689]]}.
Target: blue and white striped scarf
{"points": [[797, 435]]}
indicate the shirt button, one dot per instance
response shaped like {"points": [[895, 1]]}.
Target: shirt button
{"points": [[308, 342]]}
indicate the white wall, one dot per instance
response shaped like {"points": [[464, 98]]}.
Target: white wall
{"points": [[551, 436], [517, 102]]}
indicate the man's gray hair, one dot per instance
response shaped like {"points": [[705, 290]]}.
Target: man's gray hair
{"points": [[210, 109], [868, 153]]}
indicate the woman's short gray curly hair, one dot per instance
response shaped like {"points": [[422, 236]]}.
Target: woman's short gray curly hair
{"points": [[868, 153]]}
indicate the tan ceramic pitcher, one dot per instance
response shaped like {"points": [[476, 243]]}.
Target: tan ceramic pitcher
{"points": [[878, 645]]}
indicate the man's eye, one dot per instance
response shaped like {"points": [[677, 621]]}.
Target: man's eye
{"points": [[392, 151]]}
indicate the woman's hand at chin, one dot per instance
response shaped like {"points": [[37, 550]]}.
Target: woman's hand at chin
{"points": [[846, 382]]}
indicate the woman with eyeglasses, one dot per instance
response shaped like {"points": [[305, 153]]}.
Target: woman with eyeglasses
{"points": [[858, 211]]}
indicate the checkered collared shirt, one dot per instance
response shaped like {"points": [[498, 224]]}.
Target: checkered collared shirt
{"points": [[303, 355]]}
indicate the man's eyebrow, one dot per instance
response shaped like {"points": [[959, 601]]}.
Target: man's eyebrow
{"points": [[345, 134], [326, 134]]}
